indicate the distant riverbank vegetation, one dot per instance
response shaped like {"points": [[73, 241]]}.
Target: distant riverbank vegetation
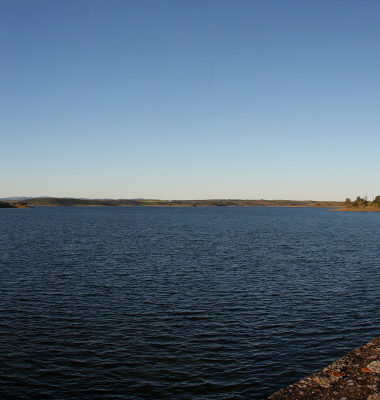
{"points": [[363, 203], [4, 204], [18, 204], [55, 201]]}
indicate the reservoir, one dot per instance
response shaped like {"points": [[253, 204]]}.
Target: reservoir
{"points": [[181, 302]]}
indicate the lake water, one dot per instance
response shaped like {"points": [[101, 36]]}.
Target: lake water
{"points": [[181, 303]]}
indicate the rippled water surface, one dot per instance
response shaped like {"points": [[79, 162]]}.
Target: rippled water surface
{"points": [[181, 303]]}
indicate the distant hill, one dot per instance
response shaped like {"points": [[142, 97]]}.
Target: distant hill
{"points": [[55, 201], [15, 198]]}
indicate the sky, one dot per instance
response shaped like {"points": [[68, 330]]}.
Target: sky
{"points": [[209, 99]]}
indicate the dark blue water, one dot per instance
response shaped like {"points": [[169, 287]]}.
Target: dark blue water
{"points": [[181, 303]]}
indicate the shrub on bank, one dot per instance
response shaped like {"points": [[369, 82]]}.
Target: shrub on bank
{"points": [[360, 202]]}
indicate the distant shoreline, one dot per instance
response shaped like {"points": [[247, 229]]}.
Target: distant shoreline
{"points": [[64, 201], [6, 204], [173, 203], [357, 209], [173, 206]]}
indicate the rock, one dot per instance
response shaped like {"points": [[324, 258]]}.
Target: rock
{"points": [[355, 376]]}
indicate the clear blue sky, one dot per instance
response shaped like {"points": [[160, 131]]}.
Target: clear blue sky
{"points": [[190, 99]]}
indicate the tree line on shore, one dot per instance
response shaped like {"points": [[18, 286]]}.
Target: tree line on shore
{"points": [[19, 204], [54, 201], [4, 204], [361, 202]]}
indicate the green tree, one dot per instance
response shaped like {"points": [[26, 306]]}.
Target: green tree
{"points": [[360, 202], [376, 201], [356, 203]]}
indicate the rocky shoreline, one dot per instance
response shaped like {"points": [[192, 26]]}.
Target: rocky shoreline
{"points": [[354, 376]]}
